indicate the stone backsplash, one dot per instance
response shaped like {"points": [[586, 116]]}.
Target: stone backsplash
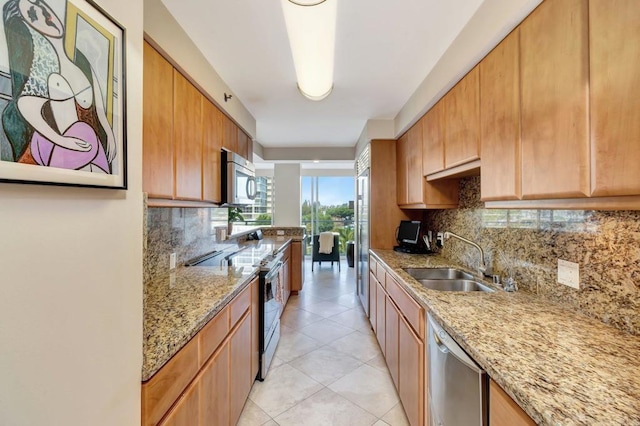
{"points": [[188, 232], [528, 243]]}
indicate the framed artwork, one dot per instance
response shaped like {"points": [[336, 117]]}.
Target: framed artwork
{"points": [[62, 94]]}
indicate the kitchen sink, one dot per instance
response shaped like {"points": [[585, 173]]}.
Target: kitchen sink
{"points": [[455, 285], [438, 274]]}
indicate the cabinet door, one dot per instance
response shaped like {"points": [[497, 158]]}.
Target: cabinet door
{"points": [[462, 131], [503, 411], [255, 328], [500, 121], [380, 316], [614, 56], [411, 373], [214, 389], [391, 340], [243, 143], [433, 139], [401, 168], [229, 134], [186, 412], [554, 72], [187, 136], [373, 292], [240, 368], [297, 257], [286, 269], [157, 122], [415, 177], [211, 156]]}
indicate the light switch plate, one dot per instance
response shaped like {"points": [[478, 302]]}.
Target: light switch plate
{"points": [[172, 261], [280, 232], [569, 273]]}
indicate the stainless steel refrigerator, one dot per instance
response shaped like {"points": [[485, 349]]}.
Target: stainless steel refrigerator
{"points": [[362, 228]]}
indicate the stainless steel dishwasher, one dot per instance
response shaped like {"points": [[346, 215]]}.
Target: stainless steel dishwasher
{"points": [[458, 387]]}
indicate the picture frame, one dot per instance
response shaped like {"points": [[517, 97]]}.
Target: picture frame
{"points": [[62, 95]]}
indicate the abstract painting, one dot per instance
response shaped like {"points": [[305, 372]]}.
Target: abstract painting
{"points": [[62, 94]]}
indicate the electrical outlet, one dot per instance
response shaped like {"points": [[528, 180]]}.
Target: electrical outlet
{"points": [[439, 239], [172, 261], [569, 273], [280, 232]]}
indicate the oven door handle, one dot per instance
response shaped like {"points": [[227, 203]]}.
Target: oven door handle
{"points": [[273, 272]]}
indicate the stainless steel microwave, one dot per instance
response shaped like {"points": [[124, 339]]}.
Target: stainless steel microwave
{"points": [[238, 180]]}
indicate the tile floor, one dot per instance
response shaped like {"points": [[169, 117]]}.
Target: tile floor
{"points": [[328, 368]]}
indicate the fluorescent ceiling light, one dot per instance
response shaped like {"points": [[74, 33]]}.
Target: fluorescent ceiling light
{"points": [[312, 37]]}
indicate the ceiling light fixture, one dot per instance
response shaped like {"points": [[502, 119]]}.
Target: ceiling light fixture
{"points": [[307, 3], [312, 37]]}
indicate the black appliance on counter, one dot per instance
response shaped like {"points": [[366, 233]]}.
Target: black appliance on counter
{"points": [[408, 238]]}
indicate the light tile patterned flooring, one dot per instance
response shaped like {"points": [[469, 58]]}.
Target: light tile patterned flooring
{"points": [[328, 368]]}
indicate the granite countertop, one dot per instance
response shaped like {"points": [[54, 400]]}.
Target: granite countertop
{"points": [[561, 367], [177, 305]]}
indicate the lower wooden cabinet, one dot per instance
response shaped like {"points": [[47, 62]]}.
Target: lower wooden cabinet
{"points": [[373, 292], [411, 364], [240, 368], [392, 353], [297, 266], [503, 411], [186, 409], [214, 389], [208, 381], [381, 317], [398, 323]]}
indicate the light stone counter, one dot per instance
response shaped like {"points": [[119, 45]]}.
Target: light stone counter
{"points": [[561, 367], [178, 305]]}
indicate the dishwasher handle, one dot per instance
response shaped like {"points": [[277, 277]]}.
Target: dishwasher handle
{"points": [[447, 344]]}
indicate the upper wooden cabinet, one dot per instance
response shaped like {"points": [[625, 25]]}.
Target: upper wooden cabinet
{"points": [[614, 74], [462, 130], [433, 139], [229, 134], [211, 152], [554, 72], [157, 124], [187, 136], [500, 121], [415, 178], [383, 179], [413, 190], [402, 191], [183, 134]]}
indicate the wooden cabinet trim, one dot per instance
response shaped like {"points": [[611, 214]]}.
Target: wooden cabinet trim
{"points": [[503, 410], [411, 373]]}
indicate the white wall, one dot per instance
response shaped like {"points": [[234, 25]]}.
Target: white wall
{"points": [[71, 286], [286, 195]]}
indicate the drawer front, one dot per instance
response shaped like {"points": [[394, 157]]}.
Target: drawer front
{"points": [[381, 275], [164, 388], [410, 309], [373, 265], [239, 305], [213, 334]]}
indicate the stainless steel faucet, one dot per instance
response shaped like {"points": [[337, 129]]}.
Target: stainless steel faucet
{"points": [[483, 269]]}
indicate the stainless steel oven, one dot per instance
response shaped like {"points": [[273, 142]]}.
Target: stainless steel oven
{"points": [[271, 305]]}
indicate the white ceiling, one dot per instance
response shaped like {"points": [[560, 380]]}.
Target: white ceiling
{"points": [[384, 50]]}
